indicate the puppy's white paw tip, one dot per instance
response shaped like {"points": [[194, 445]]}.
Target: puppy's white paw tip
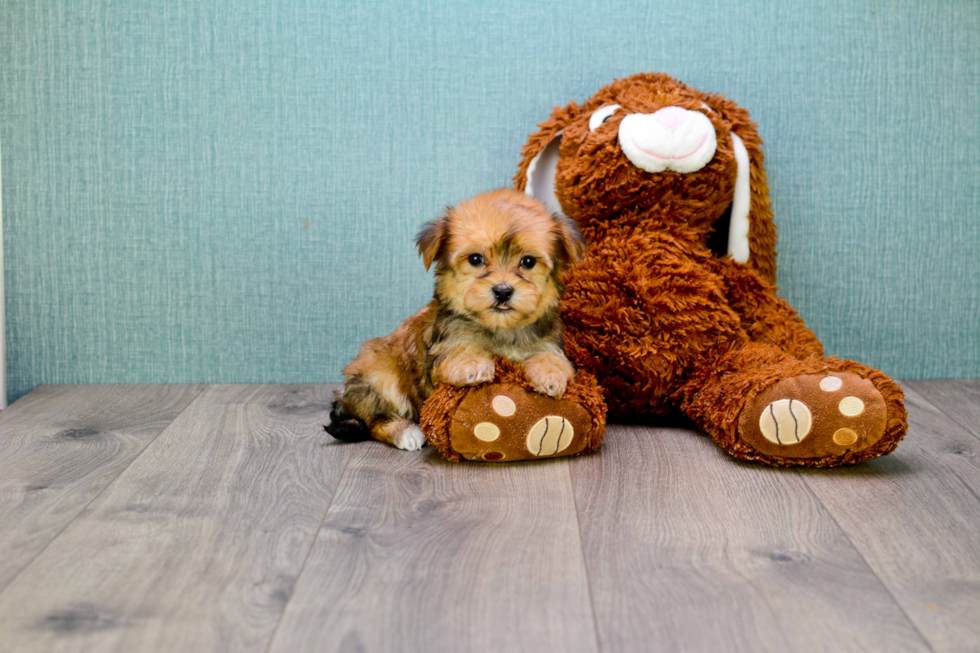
{"points": [[411, 439], [555, 390]]}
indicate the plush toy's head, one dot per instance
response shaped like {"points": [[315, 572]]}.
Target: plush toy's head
{"points": [[648, 145]]}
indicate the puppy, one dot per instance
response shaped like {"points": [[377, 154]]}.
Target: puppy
{"points": [[499, 260]]}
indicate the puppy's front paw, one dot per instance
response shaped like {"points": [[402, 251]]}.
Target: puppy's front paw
{"points": [[469, 371], [549, 379], [410, 439]]}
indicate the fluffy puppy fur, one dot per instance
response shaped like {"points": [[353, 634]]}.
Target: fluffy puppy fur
{"points": [[499, 260]]}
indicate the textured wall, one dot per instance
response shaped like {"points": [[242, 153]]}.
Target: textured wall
{"points": [[212, 191]]}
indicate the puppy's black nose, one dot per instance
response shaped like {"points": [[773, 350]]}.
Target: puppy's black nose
{"points": [[502, 293]]}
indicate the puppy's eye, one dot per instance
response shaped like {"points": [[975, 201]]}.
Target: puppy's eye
{"points": [[476, 260], [528, 262], [601, 116]]}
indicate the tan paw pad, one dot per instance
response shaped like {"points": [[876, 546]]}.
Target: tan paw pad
{"points": [[486, 431], [850, 406], [786, 421], [503, 405], [845, 437], [550, 435]]}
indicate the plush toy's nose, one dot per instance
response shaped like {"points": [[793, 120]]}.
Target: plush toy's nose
{"points": [[671, 118], [670, 139]]}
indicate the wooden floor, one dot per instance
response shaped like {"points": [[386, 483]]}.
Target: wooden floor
{"points": [[212, 518]]}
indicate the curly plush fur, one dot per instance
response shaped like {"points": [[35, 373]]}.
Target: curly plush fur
{"points": [[663, 317]]}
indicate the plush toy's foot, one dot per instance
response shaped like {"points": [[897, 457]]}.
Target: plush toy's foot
{"points": [[503, 422], [507, 420], [827, 417], [759, 403]]}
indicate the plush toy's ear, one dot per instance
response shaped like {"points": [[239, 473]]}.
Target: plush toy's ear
{"points": [[432, 237], [752, 232], [540, 177], [539, 159]]}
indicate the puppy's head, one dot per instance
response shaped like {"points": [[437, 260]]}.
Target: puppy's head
{"points": [[499, 257]]}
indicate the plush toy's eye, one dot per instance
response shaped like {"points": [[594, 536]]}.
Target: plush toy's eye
{"points": [[476, 260], [601, 116], [528, 262]]}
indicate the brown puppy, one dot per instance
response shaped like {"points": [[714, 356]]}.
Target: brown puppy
{"points": [[499, 260]]}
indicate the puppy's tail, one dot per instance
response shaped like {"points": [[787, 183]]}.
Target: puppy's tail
{"points": [[345, 426]]}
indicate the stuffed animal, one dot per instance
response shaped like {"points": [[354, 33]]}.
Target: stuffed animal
{"points": [[673, 306]]}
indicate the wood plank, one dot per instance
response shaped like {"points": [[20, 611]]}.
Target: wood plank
{"points": [[419, 554], [915, 516], [197, 545], [958, 398], [60, 446], [688, 549]]}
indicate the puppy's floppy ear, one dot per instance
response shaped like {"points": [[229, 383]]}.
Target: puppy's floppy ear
{"points": [[432, 238], [571, 244]]}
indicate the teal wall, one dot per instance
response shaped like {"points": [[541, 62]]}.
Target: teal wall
{"points": [[218, 191]]}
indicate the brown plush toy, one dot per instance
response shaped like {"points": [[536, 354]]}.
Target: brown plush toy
{"points": [[673, 306]]}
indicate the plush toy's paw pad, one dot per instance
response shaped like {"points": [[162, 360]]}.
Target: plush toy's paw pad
{"points": [[786, 421], [504, 422], [410, 439], [815, 415], [551, 435]]}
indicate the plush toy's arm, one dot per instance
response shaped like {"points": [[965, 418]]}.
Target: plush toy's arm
{"points": [[765, 317], [639, 309]]}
